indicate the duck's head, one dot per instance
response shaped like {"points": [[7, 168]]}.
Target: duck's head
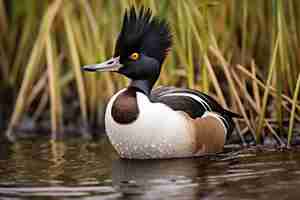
{"points": [[140, 50]]}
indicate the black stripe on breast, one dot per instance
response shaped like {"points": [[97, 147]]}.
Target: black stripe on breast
{"points": [[125, 109]]}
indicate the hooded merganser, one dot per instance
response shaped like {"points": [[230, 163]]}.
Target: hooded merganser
{"points": [[166, 122]]}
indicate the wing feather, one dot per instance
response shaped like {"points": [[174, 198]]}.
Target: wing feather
{"points": [[192, 102]]}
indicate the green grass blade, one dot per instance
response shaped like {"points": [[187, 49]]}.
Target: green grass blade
{"points": [[33, 62], [292, 116], [75, 62]]}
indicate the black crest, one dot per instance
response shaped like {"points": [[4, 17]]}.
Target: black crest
{"points": [[143, 33]]}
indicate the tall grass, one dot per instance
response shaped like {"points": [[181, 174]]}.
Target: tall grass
{"points": [[245, 53]]}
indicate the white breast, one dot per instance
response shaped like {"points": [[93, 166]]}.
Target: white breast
{"points": [[158, 132]]}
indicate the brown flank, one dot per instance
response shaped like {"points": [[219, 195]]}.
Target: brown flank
{"points": [[209, 135]]}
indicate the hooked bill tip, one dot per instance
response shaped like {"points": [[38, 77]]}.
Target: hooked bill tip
{"points": [[88, 68]]}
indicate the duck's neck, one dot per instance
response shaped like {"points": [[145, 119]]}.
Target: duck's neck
{"points": [[144, 86]]}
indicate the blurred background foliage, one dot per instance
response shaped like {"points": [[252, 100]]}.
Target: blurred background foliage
{"points": [[244, 53]]}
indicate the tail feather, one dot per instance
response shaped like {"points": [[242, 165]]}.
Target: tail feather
{"points": [[232, 114]]}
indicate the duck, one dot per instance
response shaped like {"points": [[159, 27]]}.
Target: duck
{"points": [[143, 122]]}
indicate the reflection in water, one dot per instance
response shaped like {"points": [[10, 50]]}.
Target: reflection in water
{"points": [[58, 150], [77, 169], [154, 178]]}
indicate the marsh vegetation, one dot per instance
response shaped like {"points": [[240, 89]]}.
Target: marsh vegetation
{"points": [[244, 53]]}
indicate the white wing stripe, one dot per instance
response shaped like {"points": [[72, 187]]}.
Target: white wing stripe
{"points": [[218, 117], [193, 96]]}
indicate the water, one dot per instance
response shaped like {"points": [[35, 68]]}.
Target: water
{"points": [[77, 169]]}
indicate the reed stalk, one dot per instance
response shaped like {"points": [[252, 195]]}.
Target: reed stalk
{"points": [[75, 62], [32, 64], [56, 118], [292, 116], [267, 91]]}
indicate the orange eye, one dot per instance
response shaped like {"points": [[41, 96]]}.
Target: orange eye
{"points": [[134, 56]]}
